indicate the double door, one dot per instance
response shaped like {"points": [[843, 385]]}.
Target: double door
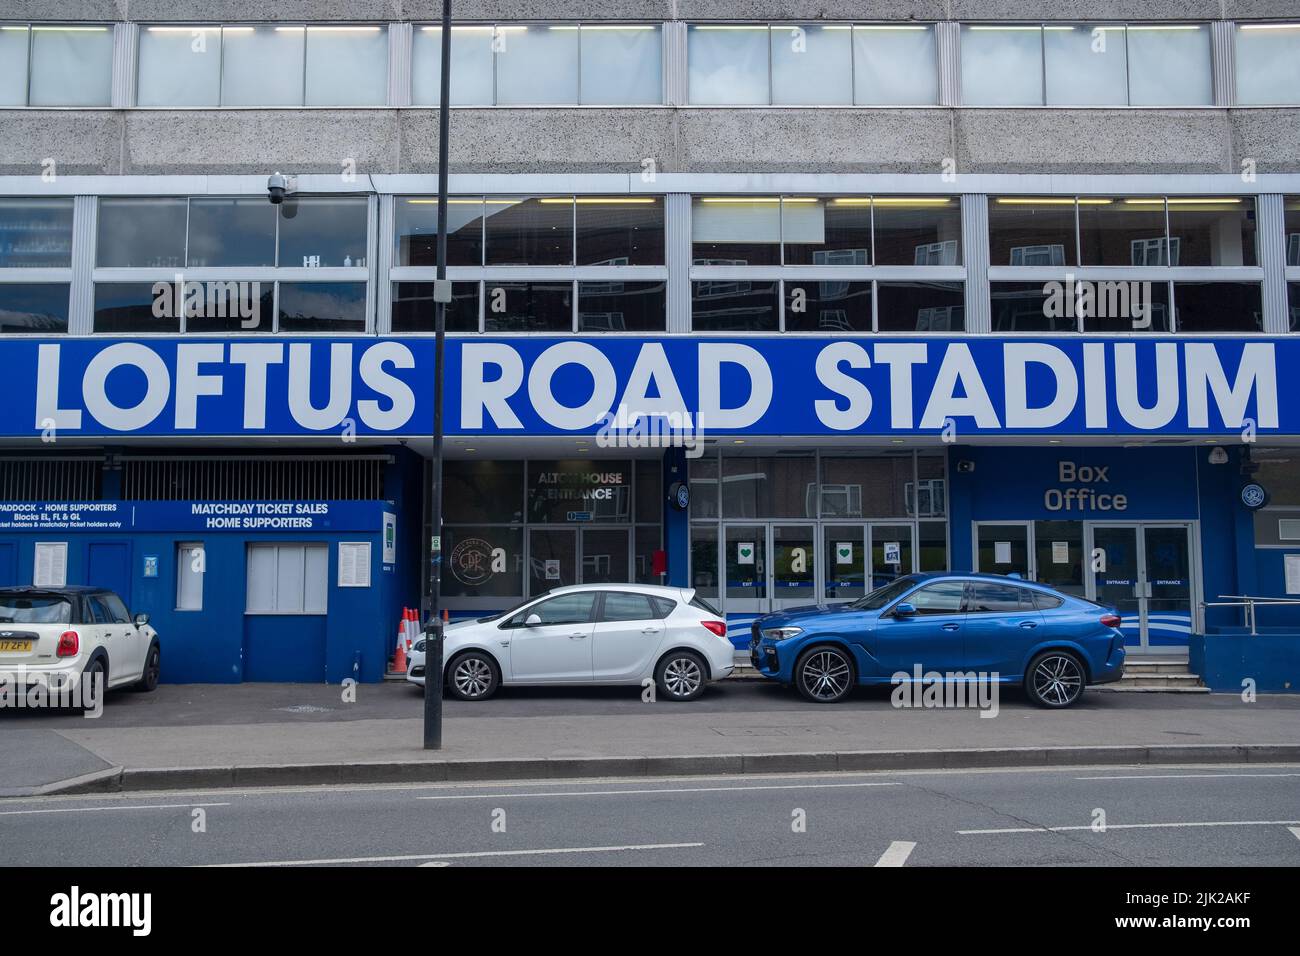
{"points": [[558, 556]]}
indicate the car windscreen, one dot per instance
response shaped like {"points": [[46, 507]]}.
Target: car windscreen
{"points": [[35, 609], [507, 612], [883, 595]]}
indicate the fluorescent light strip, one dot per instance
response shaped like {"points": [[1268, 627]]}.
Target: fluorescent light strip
{"points": [[70, 29], [1152, 28], [195, 29], [1269, 26]]}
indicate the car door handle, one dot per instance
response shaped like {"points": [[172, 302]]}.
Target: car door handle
{"points": [[577, 635], [951, 627], [651, 630], [1028, 625]]}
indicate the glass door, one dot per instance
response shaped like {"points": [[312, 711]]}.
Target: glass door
{"points": [[744, 555], [1003, 548], [604, 556], [891, 553], [844, 562], [1168, 586], [552, 559], [794, 565], [1118, 577]]}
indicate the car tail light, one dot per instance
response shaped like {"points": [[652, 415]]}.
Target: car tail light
{"points": [[69, 644], [1110, 620], [717, 627]]}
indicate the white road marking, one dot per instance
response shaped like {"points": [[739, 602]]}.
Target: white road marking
{"points": [[897, 853], [156, 806], [467, 856], [1295, 832], [1137, 826], [1185, 776], [642, 792]]}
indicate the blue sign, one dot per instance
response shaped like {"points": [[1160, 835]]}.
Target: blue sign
{"points": [[618, 387], [151, 565], [243, 516]]}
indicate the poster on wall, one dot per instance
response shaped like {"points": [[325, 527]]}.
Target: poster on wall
{"points": [[354, 564], [51, 570], [390, 538]]}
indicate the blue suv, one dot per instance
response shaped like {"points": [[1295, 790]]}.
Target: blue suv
{"points": [[945, 626]]}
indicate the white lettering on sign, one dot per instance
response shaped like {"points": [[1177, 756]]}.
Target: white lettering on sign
{"points": [[1083, 499]]}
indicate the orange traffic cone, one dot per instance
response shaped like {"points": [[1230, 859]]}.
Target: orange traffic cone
{"points": [[399, 662], [446, 616]]}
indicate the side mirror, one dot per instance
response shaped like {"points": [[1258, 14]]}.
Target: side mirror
{"points": [[533, 620], [904, 610], [141, 620]]}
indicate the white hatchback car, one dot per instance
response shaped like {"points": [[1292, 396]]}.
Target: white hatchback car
{"points": [[588, 634], [63, 636]]}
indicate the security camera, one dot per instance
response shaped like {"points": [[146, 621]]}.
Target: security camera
{"points": [[278, 186], [965, 467]]}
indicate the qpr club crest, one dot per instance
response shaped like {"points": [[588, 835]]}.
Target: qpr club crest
{"points": [[474, 561]]}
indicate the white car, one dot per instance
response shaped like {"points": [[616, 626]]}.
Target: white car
{"points": [[73, 638], [588, 634]]}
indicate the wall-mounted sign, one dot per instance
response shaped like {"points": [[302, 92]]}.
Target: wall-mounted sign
{"points": [[51, 565], [1254, 495], [354, 564], [679, 495], [390, 538], [151, 565]]}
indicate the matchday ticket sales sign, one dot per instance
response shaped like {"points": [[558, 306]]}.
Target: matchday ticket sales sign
{"points": [[743, 386]]}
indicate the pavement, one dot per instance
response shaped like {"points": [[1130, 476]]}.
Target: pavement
{"points": [[1204, 817], [243, 735]]}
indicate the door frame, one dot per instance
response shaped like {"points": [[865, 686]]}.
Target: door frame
{"points": [[1193, 529]]}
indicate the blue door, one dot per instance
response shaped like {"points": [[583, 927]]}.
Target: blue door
{"points": [[1002, 625], [8, 564], [932, 638], [108, 565]]}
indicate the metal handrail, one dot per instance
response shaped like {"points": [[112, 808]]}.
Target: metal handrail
{"points": [[1248, 603]]}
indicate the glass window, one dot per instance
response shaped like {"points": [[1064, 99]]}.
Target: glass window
{"points": [[1001, 65], [734, 306], [1123, 232], [604, 556], [622, 307], [1216, 231], [347, 66], [1031, 307], [563, 609], [471, 66], [1128, 306], [1291, 212], [116, 609], [287, 578], [895, 64], [15, 38], [1058, 555], [920, 307], [933, 551], [323, 231], [826, 232], [484, 491], [537, 64], [33, 308], [129, 307], [821, 306], [1085, 64], [917, 231], [625, 606], [704, 560], [559, 489], [993, 598], [621, 64], [769, 487], [235, 307], [649, 489], [483, 561], [262, 65], [191, 563], [141, 233], [530, 232], [620, 230], [727, 64], [944, 597], [1268, 63], [1218, 306], [1169, 65], [35, 233], [416, 225], [1030, 231], [931, 497], [736, 230], [322, 306], [812, 65], [856, 487], [231, 232], [552, 559], [414, 308], [71, 65], [704, 486], [179, 66], [646, 540], [1293, 305], [528, 307]]}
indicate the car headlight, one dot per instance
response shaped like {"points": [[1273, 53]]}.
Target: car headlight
{"points": [[781, 633]]}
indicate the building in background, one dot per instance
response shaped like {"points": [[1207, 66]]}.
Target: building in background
{"points": [[895, 295]]}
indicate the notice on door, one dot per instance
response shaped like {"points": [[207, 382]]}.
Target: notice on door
{"points": [[1292, 563], [745, 552], [844, 552], [552, 569], [1060, 552], [1001, 552], [893, 552], [51, 569]]}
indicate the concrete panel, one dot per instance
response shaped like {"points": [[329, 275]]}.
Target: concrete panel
{"points": [[227, 11], [84, 142], [814, 140], [540, 140], [541, 10], [1093, 141], [1261, 10], [811, 10], [260, 141], [70, 10], [1271, 137], [1085, 10]]}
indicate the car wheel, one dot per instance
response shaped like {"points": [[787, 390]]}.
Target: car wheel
{"points": [[152, 668], [473, 676], [681, 675], [1054, 679], [824, 674], [95, 678]]}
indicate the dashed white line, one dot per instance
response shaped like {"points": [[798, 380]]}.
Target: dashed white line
{"points": [[468, 855], [896, 854], [644, 791], [1136, 826], [155, 806]]}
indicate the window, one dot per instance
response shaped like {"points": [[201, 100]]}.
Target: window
{"points": [[70, 65], [620, 230], [322, 307], [812, 64], [15, 40], [1218, 307], [827, 306], [191, 563], [528, 307], [1045, 602], [1032, 231], [624, 606], [1085, 65], [141, 233], [621, 64], [1028, 307], [920, 231], [287, 578], [827, 232], [416, 226], [727, 64], [471, 66], [1214, 231], [34, 233], [736, 230], [987, 598], [262, 65], [485, 491], [920, 307], [1123, 231], [740, 306], [769, 487], [895, 64], [942, 598], [1268, 63], [534, 232], [33, 308], [1128, 306], [414, 309], [179, 66], [346, 66], [116, 609], [1001, 65], [323, 231], [536, 65], [483, 561], [562, 609], [1169, 65], [622, 307], [230, 232], [129, 307], [556, 488], [1291, 214], [1293, 305]]}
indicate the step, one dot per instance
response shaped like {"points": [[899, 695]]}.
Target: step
{"points": [[1155, 667], [1123, 688]]}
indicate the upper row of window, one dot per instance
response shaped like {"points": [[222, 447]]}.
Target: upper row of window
{"points": [[1036, 64]]}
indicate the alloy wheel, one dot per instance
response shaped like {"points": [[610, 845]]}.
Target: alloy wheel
{"points": [[1058, 680], [682, 676], [826, 675], [472, 677]]}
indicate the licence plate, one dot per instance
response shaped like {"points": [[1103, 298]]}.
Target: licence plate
{"points": [[23, 646]]}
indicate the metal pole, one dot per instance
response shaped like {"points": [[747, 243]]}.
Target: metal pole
{"points": [[442, 295]]}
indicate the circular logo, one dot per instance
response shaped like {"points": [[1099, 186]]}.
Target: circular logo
{"points": [[471, 561], [679, 493], [1253, 495]]}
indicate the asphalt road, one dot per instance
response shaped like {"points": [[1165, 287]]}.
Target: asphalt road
{"points": [[1153, 816]]}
